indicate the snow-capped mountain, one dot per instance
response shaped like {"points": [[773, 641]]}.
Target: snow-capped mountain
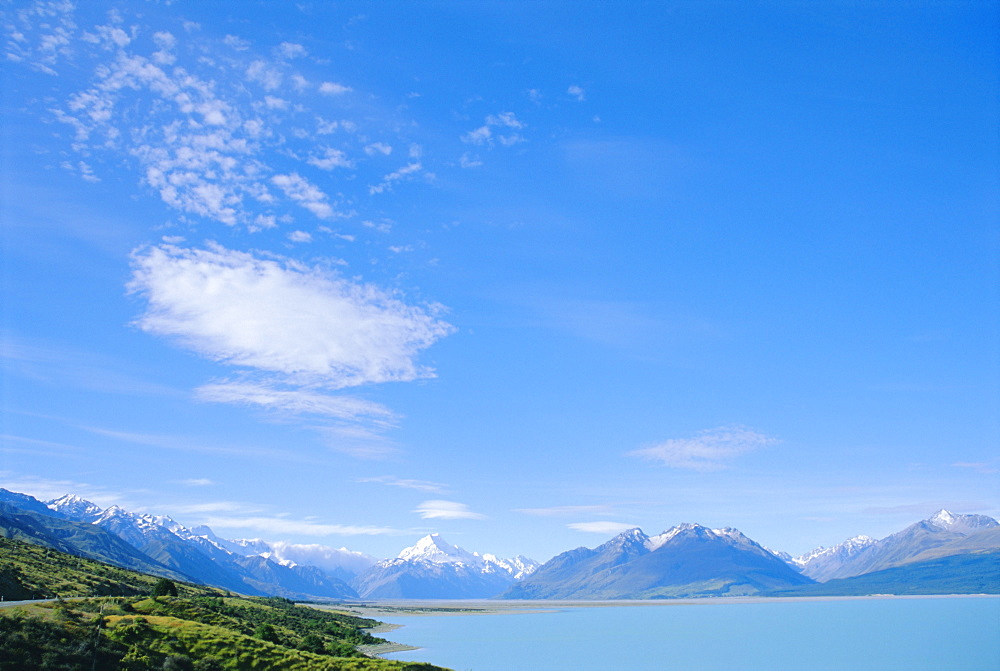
{"points": [[861, 554], [685, 560], [432, 568], [74, 507], [198, 555], [961, 524], [822, 563]]}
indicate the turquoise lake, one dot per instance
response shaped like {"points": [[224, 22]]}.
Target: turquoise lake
{"points": [[948, 633]]}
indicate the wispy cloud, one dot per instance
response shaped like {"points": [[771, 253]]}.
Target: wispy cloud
{"points": [[605, 528], [285, 526], [197, 482], [418, 485], [447, 510], [64, 365], [577, 92], [407, 172], [189, 444], [710, 450], [46, 489]]}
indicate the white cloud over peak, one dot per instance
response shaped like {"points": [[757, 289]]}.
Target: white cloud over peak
{"points": [[709, 450], [323, 556], [278, 316], [604, 528], [446, 510]]}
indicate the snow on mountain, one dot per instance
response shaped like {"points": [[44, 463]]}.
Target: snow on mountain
{"points": [[75, 508], [685, 560], [861, 554], [848, 548], [733, 536], [433, 548], [961, 524], [433, 568]]}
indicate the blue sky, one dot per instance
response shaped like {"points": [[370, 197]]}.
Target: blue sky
{"points": [[524, 274]]}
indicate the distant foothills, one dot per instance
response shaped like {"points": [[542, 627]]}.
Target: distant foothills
{"points": [[945, 554]]}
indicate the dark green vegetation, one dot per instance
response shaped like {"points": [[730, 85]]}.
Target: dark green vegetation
{"points": [[30, 571], [118, 625], [976, 573], [194, 633]]}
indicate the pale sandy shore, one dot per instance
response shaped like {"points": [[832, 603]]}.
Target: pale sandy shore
{"points": [[439, 607]]}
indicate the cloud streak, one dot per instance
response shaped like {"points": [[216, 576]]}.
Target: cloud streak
{"points": [[710, 450], [446, 510]]}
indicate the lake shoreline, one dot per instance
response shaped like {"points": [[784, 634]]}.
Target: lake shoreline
{"points": [[612, 634], [445, 607]]}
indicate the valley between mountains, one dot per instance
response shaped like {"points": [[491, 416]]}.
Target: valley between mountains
{"points": [[944, 554]]}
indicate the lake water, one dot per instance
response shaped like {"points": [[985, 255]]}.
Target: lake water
{"points": [[947, 633]]}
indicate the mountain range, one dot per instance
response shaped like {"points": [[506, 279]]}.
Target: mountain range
{"points": [[685, 561], [158, 545], [946, 553]]}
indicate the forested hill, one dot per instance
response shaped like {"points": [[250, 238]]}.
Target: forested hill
{"points": [[119, 624]]}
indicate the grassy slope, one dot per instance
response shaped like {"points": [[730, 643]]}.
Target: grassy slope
{"points": [[203, 629], [30, 571]]}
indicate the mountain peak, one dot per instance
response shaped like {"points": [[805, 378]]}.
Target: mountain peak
{"points": [[943, 518], [962, 524], [75, 507], [433, 548]]}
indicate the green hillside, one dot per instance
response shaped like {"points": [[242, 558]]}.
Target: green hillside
{"points": [[117, 625], [30, 571]]}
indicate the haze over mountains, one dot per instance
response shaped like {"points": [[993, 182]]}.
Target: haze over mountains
{"points": [[946, 553]]}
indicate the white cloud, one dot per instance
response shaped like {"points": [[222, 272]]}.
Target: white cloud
{"points": [[604, 528], [333, 89], [323, 556], [504, 119], [478, 136], [305, 193], [446, 510], [300, 236], [484, 135], [281, 317], [710, 450], [290, 50], [286, 526], [330, 159], [263, 73], [237, 43], [197, 482], [467, 161], [378, 148], [297, 401], [577, 92], [418, 485], [405, 172]]}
